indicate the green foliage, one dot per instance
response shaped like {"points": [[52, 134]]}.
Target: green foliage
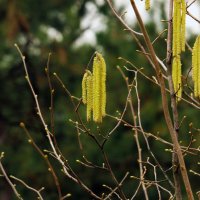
{"points": [[69, 62]]}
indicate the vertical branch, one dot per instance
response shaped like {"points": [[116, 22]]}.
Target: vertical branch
{"points": [[165, 103], [175, 163], [137, 139], [51, 108], [135, 130]]}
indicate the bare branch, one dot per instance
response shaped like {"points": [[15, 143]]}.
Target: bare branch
{"points": [[8, 180]]}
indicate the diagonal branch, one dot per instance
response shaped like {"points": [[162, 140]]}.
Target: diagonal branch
{"points": [[165, 103]]}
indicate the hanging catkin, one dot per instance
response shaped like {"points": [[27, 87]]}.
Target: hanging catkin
{"points": [[84, 91], [89, 85], [176, 76], [147, 4], [94, 89], [178, 44], [183, 23], [99, 88], [87, 92], [196, 67], [179, 26]]}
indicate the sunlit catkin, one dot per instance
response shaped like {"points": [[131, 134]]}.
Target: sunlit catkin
{"points": [[147, 4], [87, 92], [177, 28], [99, 88], [179, 23], [84, 92], [196, 67], [183, 23], [176, 76], [89, 86]]}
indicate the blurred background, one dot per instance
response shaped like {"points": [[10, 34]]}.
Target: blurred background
{"points": [[72, 31]]}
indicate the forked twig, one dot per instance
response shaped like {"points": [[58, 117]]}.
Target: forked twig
{"points": [[8, 179]]}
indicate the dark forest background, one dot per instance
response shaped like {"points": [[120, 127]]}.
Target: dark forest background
{"points": [[29, 24]]}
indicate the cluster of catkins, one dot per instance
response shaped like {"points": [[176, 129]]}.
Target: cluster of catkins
{"points": [[179, 16], [94, 89]]}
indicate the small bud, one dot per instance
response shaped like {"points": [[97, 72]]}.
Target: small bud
{"points": [[21, 124], [2, 154]]}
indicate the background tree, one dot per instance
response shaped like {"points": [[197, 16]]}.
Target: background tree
{"points": [[57, 27]]}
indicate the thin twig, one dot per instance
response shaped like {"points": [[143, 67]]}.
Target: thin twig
{"points": [[122, 21], [159, 35], [45, 157], [175, 163], [55, 154], [93, 137], [9, 181], [29, 187], [189, 4], [135, 131], [113, 191], [165, 103], [193, 17], [143, 132]]}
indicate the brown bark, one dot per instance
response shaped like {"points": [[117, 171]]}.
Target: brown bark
{"points": [[168, 120]]}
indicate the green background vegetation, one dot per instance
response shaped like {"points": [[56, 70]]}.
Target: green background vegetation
{"points": [[27, 23]]}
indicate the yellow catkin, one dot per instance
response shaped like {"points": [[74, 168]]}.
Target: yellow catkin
{"points": [[178, 39], [103, 85], [96, 87], [179, 26], [89, 85], [183, 23], [178, 44], [196, 67], [174, 48], [84, 92], [176, 76], [99, 88], [198, 61], [147, 4]]}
